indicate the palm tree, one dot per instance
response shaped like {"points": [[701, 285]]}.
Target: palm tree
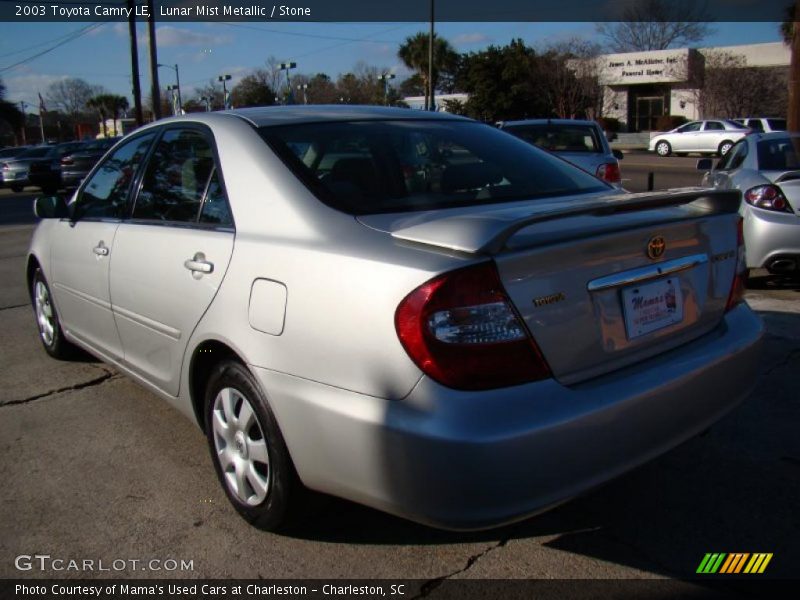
{"points": [[100, 103], [414, 54], [118, 104]]}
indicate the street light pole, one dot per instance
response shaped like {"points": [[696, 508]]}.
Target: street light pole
{"points": [[223, 79], [386, 77], [432, 105], [285, 67], [304, 87], [177, 87]]}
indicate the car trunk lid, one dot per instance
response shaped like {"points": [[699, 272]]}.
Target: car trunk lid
{"points": [[601, 281]]}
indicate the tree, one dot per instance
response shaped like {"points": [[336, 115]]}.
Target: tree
{"points": [[657, 25], [100, 103], [506, 82], [414, 54], [574, 90], [321, 90], [213, 91], [70, 95], [9, 112], [731, 89], [253, 90]]}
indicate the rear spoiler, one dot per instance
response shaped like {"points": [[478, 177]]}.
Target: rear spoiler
{"points": [[488, 232]]}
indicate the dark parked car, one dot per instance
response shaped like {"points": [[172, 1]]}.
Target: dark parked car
{"points": [[46, 172], [76, 166]]}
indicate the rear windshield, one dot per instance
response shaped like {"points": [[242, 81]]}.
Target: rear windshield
{"points": [[559, 138], [36, 152], [98, 145], [369, 167], [782, 154]]}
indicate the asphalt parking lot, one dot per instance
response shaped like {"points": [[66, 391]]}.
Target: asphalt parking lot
{"points": [[95, 467]]}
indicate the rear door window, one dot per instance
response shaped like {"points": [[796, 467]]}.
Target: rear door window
{"points": [[714, 126]]}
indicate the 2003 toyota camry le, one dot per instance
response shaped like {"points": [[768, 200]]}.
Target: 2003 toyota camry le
{"points": [[414, 311]]}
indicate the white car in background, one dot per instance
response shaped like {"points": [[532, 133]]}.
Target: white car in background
{"points": [[763, 124], [715, 136]]}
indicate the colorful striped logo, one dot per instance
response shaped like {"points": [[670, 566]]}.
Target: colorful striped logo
{"points": [[738, 562]]}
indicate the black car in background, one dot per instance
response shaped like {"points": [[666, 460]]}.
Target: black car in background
{"points": [[46, 171], [76, 166]]}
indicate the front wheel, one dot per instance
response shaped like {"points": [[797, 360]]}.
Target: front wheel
{"points": [[50, 332], [725, 147], [663, 149], [248, 450]]}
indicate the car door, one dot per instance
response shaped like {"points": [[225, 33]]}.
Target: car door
{"points": [[687, 138], [82, 248], [714, 133], [171, 256], [721, 176]]}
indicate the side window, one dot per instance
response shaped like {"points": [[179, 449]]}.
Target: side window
{"points": [[693, 126], [755, 125], [215, 207], [105, 194], [714, 126], [176, 178], [734, 158]]}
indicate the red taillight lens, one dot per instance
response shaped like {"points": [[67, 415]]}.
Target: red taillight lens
{"points": [[67, 160], [609, 172], [768, 197], [736, 294], [461, 330]]}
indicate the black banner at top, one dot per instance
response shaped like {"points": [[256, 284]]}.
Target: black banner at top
{"points": [[381, 11]]}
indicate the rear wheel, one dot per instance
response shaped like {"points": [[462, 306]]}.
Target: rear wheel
{"points": [[17, 188], [50, 332], [663, 149], [248, 450], [725, 147]]}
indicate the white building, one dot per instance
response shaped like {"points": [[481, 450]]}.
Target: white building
{"points": [[639, 87], [418, 102]]}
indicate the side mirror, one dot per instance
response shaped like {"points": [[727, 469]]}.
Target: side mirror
{"points": [[50, 207], [705, 164], [618, 154]]}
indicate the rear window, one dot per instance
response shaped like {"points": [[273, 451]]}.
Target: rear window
{"points": [[782, 154], [559, 138], [369, 167], [777, 124]]}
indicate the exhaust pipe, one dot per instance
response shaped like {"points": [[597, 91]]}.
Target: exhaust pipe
{"points": [[782, 265]]}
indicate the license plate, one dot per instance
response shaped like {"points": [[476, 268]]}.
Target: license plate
{"points": [[652, 306]]}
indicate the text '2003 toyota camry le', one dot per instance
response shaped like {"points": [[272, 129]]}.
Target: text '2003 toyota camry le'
{"points": [[413, 311]]}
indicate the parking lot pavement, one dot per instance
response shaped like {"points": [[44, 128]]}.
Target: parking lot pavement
{"points": [[95, 467]]}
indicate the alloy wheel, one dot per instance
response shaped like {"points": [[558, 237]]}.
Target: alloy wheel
{"points": [[44, 313]]}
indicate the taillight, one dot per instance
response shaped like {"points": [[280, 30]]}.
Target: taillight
{"points": [[67, 160], [768, 197], [461, 330], [736, 295], [609, 172]]}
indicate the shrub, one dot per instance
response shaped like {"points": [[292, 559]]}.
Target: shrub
{"points": [[609, 124]]}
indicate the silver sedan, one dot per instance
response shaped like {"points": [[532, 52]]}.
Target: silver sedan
{"points": [[714, 136], [410, 310], [766, 169]]}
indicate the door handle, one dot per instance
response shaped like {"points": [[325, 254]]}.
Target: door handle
{"points": [[100, 249], [199, 264]]}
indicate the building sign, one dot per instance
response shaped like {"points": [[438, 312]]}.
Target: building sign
{"points": [[658, 66]]}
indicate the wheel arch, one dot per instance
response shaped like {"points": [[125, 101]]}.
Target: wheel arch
{"points": [[204, 356], [30, 269]]}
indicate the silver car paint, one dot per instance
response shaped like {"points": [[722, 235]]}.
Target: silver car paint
{"points": [[767, 234], [698, 141], [358, 417]]}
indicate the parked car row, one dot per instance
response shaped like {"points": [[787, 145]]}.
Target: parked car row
{"points": [[50, 167], [407, 309]]}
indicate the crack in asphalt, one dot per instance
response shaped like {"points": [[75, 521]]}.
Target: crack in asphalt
{"points": [[78, 386], [785, 362], [432, 584], [15, 306]]}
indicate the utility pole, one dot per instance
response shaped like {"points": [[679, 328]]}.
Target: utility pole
{"points": [[793, 118], [386, 77], [137, 92], [286, 67], [151, 36], [176, 87], [432, 105], [23, 105]]}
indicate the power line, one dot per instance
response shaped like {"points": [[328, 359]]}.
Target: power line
{"points": [[81, 32]]}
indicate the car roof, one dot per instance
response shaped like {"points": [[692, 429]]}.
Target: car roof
{"points": [[549, 122], [774, 135], [263, 116]]}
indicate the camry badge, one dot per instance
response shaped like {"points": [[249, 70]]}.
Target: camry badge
{"points": [[656, 247]]}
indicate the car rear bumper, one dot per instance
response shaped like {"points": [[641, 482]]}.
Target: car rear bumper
{"points": [[770, 236], [471, 460]]}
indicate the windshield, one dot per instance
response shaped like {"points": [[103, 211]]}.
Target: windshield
{"points": [[781, 154], [369, 167], [559, 138]]}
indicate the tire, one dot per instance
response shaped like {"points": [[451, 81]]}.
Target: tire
{"points": [[725, 147], [248, 451], [663, 148], [50, 332], [17, 188]]}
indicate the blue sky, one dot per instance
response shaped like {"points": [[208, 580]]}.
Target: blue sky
{"points": [[205, 50]]}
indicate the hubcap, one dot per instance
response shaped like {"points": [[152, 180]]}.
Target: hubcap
{"points": [[241, 447], [44, 313]]}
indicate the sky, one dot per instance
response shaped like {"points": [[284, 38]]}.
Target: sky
{"points": [[203, 51]]}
